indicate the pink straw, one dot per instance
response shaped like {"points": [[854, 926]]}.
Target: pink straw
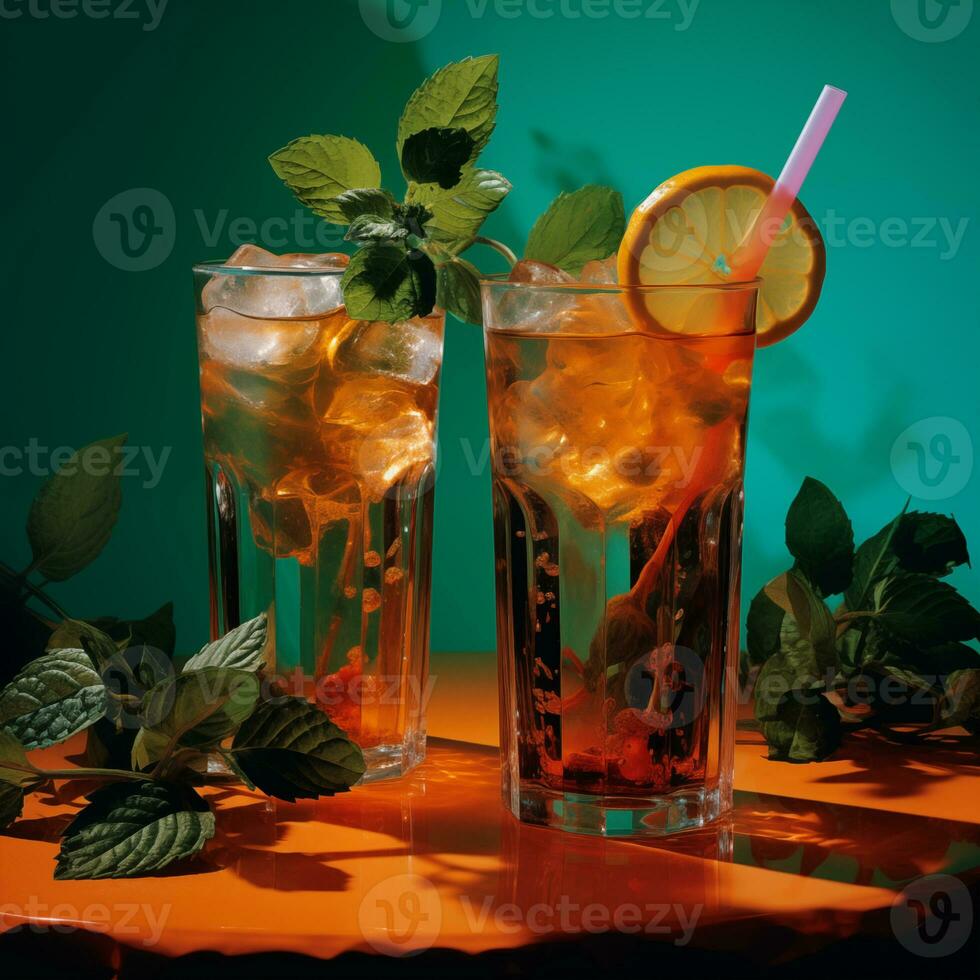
{"points": [[749, 257]]}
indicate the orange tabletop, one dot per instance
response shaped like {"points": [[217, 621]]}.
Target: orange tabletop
{"points": [[813, 856]]}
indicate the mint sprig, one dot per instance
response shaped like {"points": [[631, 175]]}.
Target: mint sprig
{"points": [[150, 729], [897, 622], [409, 252]]}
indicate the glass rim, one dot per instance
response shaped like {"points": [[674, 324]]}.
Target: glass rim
{"points": [[500, 279], [219, 267]]}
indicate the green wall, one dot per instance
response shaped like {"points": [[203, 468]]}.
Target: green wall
{"points": [[191, 108]]}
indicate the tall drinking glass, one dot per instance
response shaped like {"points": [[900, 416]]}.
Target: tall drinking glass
{"points": [[319, 442], [618, 455]]}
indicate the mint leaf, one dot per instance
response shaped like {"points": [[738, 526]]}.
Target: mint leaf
{"points": [[577, 228], [458, 290], [385, 282], [777, 679], [291, 750], [812, 651], [11, 803], [374, 228], [197, 709], [462, 95], [873, 561], [458, 213], [73, 515], [960, 704], [14, 767], [246, 647], [52, 698], [437, 156], [932, 544], [762, 626], [820, 537], [134, 828], [77, 635], [924, 611], [318, 169], [804, 729], [365, 200]]}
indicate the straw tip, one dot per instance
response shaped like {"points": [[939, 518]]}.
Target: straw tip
{"points": [[837, 93]]}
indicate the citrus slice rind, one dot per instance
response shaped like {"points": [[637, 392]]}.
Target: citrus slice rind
{"points": [[685, 234]]}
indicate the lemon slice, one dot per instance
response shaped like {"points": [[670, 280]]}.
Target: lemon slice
{"points": [[685, 233]]}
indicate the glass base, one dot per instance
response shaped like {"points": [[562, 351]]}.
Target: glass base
{"points": [[390, 761], [688, 808]]}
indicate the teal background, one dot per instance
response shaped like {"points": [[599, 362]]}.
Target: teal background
{"points": [[192, 109]]}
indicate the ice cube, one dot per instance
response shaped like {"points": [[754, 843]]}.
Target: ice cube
{"points": [[534, 309], [392, 449], [277, 295], [601, 270], [379, 430], [252, 344], [410, 351], [527, 270]]}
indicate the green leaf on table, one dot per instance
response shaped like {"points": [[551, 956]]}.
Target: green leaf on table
{"points": [[74, 512], [52, 698], [291, 750], [196, 709], [960, 704], [874, 560], [386, 282], [458, 290], [458, 213], [374, 228], [130, 829], [923, 611], [437, 156], [14, 765], [156, 630], [808, 631], [577, 228], [246, 647], [78, 635], [318, 169], [820, 537], [804, 729], [365, 200], [931, 544], [778, 678], [11, 803], [462, 95], [762, 626]]}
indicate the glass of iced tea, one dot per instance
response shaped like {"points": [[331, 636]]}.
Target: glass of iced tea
{"points": [[618, 455], [319, 443]]}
